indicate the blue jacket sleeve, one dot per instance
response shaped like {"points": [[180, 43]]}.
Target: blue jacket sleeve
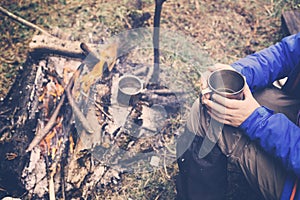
{"points": [[275, 62], [277, 135], [275, 132]]}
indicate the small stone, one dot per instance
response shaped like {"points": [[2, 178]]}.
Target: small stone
{"points": [[115, 181], [154, 161]]}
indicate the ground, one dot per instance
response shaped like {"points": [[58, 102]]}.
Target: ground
{"points": [[225, 30]]}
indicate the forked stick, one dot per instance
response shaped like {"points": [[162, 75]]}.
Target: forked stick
{"points": [[157, 13]]}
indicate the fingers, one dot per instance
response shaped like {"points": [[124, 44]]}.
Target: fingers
{"points": [[216, 107], [219, 117], [206, 96], [228, 103], [221, 113]]}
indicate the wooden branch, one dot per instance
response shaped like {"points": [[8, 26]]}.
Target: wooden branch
{"points": [[76, 110], [165, 92], [49, 43], [103, 111], [84, 122], [23, 21], [40, 136], [53, 45], [51, 186], [88, 52]]}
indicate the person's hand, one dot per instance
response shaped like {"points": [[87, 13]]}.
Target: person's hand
{"points": [[205, 75], [230, 111]]}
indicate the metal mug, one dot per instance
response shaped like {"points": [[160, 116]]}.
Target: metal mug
{"points": [[227, 83], [128, 87]]}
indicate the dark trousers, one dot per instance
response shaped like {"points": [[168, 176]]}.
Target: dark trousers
{"points": [[205, 169]]}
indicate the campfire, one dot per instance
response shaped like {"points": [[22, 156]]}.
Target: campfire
{"points": [[73, 129], [77, 137]]}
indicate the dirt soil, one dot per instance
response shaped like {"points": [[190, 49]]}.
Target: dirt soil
{"points": [[225, 30]]}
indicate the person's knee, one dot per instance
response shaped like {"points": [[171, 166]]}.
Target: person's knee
{"points": [[193, 122]]}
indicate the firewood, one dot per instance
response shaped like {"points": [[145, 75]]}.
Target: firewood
{"points": [[88, 52], [103, 111], [81, 118], [47, 41], [51, 123], [53, 45], [51, 186], [120, 144], [40, 135]]}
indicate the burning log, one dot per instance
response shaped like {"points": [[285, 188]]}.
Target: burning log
{"points": [[47, 147]]}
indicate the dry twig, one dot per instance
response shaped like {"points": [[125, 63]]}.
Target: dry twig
{"points": [[40, 135], [85, 124], [103, 111], [51, 123], [23, 21], [51, 186]]}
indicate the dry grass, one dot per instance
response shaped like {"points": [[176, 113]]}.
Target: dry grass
{"points": [[225, 30]]}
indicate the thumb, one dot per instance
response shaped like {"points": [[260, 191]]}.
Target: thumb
{"points": [[203, 79]]}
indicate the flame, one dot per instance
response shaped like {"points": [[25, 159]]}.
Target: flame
{"points": [[72, 144], [51, 143], [59, 89], [48, 140], [53, 152], [41, 98]]}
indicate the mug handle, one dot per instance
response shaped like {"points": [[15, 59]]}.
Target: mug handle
{"points": [[206, 91]]}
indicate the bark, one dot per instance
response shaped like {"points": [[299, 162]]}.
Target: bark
{"points": [[17, 122]]}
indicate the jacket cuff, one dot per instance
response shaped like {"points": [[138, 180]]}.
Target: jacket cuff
{"points": [[256, 120], [237, 67], [288, 186]]}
